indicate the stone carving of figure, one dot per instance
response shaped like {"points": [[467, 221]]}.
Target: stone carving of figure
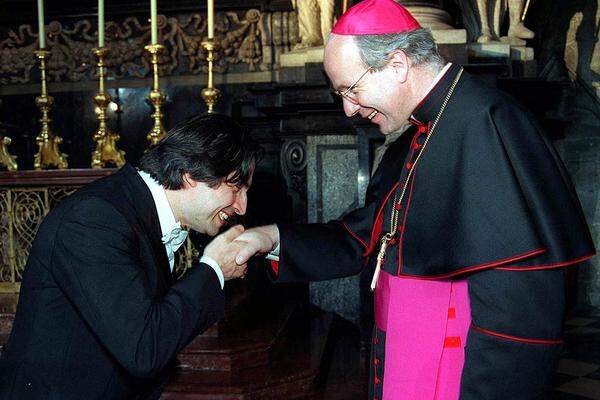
{"points": [[315, 20], [490, 17]]}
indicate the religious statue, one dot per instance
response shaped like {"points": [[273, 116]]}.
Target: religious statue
{"points": [[315, 20], [490, 15]]}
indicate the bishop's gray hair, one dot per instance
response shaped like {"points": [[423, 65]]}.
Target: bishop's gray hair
{"points": [[417, 44]]}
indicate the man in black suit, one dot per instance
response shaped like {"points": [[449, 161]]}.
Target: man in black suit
{"points": [[100, 315]]}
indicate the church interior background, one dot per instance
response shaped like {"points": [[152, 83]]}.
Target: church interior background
{"points": [[78, 109]]}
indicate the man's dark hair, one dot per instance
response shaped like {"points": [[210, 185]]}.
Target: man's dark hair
{"points": [[211, 148]]}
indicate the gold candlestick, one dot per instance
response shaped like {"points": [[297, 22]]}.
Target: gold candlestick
{"points": [[156, 96], [48, 154], [106, 141], [210, 94]]}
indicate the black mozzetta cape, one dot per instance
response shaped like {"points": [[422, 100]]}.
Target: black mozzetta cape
{"points": [[489, 191]]}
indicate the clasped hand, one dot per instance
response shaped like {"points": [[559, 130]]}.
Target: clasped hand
{"points": [[233, 248]]}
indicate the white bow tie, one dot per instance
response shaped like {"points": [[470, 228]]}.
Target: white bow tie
{"points": [[175, 237]]}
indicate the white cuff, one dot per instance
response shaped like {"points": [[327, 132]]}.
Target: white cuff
{"points": [[273, 254], [214, 265]]}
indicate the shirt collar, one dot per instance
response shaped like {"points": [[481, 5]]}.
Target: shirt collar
{"points": [[429, 106], [166, 217]]}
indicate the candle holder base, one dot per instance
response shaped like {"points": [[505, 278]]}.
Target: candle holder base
{"points": [[106, 151], [49, 155], [6, 159]]}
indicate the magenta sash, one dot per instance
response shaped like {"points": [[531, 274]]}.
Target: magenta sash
{"points": [[426, 324]]}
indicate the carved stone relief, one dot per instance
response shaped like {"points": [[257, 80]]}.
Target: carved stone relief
{"points": [[293, 168], [243, 40]]}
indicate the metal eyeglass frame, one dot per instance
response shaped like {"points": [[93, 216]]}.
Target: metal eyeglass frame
{"points": [[346, 93]]}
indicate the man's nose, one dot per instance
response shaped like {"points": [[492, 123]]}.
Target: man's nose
{"points": [[241, 202], [350, 108]]}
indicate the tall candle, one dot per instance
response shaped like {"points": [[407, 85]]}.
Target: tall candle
{"points": [[41, 25], [100, 23], [211, 18], [153, 22]]}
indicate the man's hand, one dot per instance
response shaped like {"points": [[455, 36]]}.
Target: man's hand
{"points": [[223, 249], [261, 239]]}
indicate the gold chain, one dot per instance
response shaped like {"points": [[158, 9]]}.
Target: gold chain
{"points": [[395, 212], [398, 199]]}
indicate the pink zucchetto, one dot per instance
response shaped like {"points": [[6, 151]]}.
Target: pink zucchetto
{"points": [[375, 17]]}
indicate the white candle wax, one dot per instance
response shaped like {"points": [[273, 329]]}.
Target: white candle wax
{"points": [[100, 23], [41, 25], [211, 18], [153, 22]]}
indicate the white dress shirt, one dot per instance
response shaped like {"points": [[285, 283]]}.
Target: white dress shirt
{"points": [[273, 254], [173, 235]]}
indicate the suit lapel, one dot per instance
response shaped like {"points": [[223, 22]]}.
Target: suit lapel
{"points": [[147, 215]]}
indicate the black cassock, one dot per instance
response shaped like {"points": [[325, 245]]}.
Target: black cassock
{"points": [[490, 201]]}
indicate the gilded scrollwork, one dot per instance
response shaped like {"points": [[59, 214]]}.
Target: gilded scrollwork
{"points": [[22, 213], [57, 193], [185, 257], [6, 253], [242, 37], [29, 207]]}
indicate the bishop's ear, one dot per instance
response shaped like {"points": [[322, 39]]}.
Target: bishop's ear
{"points": [[400, 64]]}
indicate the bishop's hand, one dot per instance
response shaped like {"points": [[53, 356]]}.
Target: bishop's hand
{"points": [[259, 240]]}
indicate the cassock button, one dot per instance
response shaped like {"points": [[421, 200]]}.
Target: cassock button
{"points": [[377, 381], [376, 361], [408, 165], [451, 313], [422, 129]]}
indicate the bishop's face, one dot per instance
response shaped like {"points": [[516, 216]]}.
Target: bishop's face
{"points": [[374, 95]]}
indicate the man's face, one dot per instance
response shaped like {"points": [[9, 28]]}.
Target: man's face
{"points": [[206, 210], [377, 96]]}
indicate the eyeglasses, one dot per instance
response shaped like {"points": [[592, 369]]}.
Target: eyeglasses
{"points": [[348, 94]]}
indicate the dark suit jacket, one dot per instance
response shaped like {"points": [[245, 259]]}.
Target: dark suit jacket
{"points": [[99, 315]]}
